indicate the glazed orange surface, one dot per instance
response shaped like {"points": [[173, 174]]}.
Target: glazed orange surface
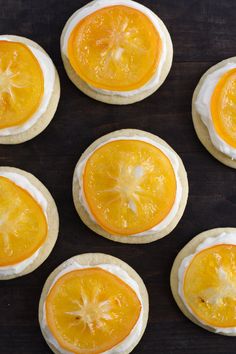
{"points": [[21, 84], [23, 226], [115, 48], [90, 310], [223, 107], [129, 185], [210, 285]]}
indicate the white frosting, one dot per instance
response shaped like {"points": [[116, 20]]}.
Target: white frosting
{"points": [[48, 70], [175, 164], [223, 238], [203, 106], [24, 183], [19, 267], [98, 4], [122, 274]]}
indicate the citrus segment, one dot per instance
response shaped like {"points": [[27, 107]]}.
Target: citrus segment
{"points": [[23, 226], [129, 185], [115, 48], [210, 285], [91, 310], [21, 83], [223, 107]]}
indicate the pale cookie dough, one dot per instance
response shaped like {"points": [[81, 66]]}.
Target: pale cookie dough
{"points": [[95, 259], [199, 126], [47, 116], [156, 235], [187, 250], [116, 99], [52, 221]]}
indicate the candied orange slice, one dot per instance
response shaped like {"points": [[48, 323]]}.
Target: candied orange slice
{"points": [[21, 84], [91, 310], [115, 48], [23, 226], [210, 285], [129, 185], [223, 107]]}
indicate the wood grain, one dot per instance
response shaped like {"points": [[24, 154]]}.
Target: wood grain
{"points": [[203, 33]]}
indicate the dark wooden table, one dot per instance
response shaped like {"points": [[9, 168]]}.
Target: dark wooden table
{"points": [[203, 33]]}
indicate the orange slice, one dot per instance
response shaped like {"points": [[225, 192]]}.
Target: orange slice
{"points": [[23, 226], [129, 185], [223, 107], [90, 310], [21, 84], [210, 285], [115, 48]]}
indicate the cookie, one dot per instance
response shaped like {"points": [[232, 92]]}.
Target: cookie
{"points": [[173, 216], [94, 261], [113, 88]]}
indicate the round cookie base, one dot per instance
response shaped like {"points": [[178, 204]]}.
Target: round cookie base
{"points": [[47, 116], [200, 128], [150, 237], [52, 219], [187, 250], [117, 99], [94, 259]]}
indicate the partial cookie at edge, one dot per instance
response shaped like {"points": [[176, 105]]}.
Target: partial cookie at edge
{"points": [[52, 220], [199, 126], [47, 116], [187, 250]]}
